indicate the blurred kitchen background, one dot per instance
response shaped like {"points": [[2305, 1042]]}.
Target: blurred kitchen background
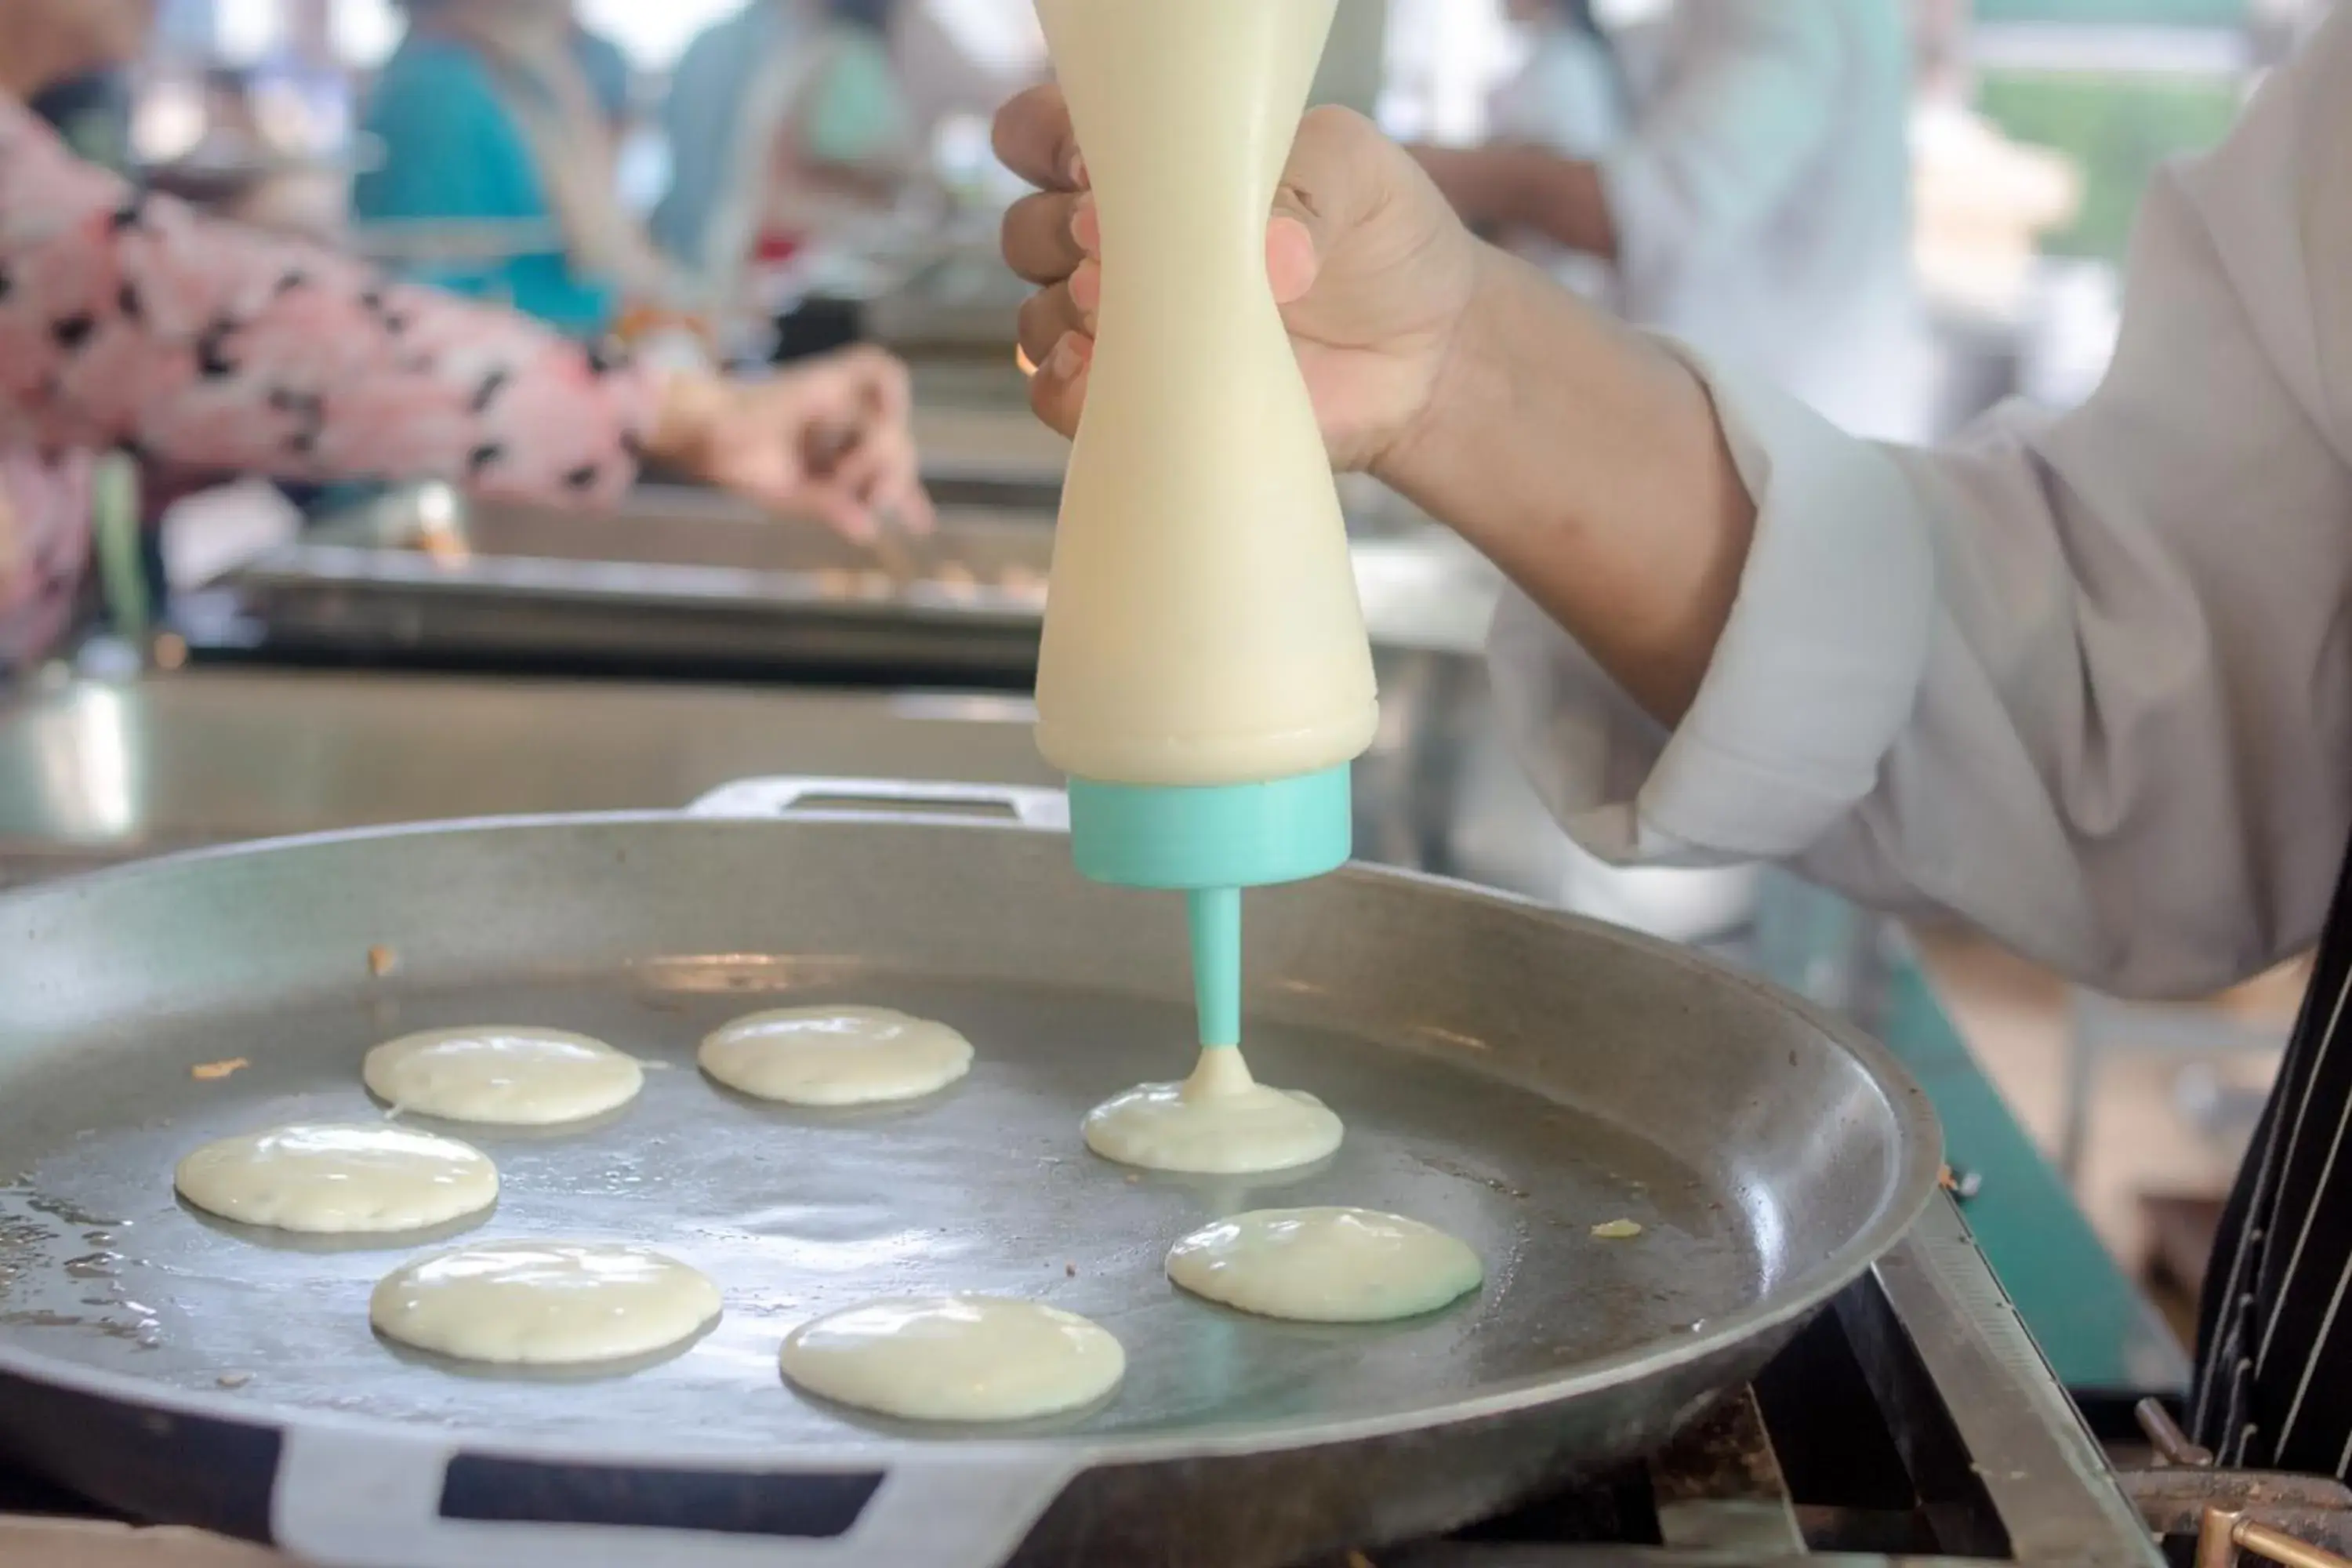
{"points": [[2037, 122], [264, 659]]}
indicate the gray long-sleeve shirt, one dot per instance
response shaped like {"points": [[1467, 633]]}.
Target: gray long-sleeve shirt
{"points": [[2085, 682]]}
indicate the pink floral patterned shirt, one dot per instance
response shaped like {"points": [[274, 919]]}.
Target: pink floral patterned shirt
{"points": [[126, 320]]}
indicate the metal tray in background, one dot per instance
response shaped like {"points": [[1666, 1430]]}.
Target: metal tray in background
{"points": [[1514, 1075], [683, 577], [981, 449], [964, 305], [677, 577], [981, 446]]}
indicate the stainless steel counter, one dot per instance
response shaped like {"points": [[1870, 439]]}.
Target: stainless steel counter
{"points": [[92, 772], [680, 582]]}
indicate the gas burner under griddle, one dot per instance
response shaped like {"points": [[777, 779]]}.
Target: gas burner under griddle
{"points": [[1914, 1420]]}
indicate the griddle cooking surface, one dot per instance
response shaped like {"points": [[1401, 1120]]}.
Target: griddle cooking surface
{"points": [[986, 1187]]}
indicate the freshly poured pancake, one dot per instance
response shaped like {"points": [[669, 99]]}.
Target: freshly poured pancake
{"points": [[544, 1303], [1219, 1121], [1326, 1265], [836, 1055], [339, 1181], [511, 1076], [955, 1358]]}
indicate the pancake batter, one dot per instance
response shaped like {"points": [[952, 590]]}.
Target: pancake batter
{"points": [[508, 1076], [955, 1358], [544, 1303], [1326, 1265], [1219, 1121], [328, 1180], [836, 1055]]}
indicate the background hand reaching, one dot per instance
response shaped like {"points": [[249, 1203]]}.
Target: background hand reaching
{"points": [[828, 439]]}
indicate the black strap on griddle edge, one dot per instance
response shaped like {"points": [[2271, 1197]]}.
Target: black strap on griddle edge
{"points": [[184, 1469], [811, 1506], [220, 1476], [2275, 1341]]}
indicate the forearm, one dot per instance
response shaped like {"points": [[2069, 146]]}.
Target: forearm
{"points": [[2022, 680], [1589, 465], [130, 319], [1529, 190]]}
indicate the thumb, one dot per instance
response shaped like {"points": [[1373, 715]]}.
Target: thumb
{"points": [[1329, 187], [1293, 259]]}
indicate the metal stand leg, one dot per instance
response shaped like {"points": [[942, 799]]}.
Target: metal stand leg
{"points": [[2082, 1052]]}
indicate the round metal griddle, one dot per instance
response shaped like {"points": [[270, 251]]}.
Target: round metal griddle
{"points": [[1515, 1076]]}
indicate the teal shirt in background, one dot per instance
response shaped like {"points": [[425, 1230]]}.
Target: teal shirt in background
{"points": [[709, 93], [858, 112], [452, 151], [854, 111]]}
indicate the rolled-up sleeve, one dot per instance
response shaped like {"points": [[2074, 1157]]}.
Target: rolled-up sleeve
{"points": [[1814, 679], [2085, 682]]}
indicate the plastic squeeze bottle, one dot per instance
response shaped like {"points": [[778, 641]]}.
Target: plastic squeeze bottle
{"points": [[1205, 680]]}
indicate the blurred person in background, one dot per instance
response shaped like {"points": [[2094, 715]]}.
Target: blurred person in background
{"points": [[233, 128], [702, 116], [844, 142], [92, 114], [488, 113], [1568, 99], [823, 140], [610, 76], [301, 87], [964, 59], [1758, 205], [129, 321]]}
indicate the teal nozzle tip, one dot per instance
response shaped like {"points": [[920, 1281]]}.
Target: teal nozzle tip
{"points": [[1216, 920], [1209, 842]]}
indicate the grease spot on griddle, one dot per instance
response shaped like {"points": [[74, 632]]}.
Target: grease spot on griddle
{"points": [[1445, 1167], [140, 1329], [57, 1208]]}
